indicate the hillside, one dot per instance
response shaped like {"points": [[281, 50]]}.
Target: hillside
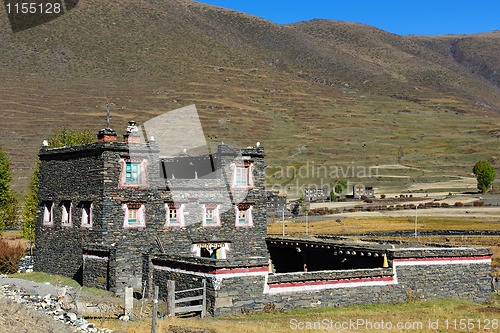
{"points": [[331, 93]]}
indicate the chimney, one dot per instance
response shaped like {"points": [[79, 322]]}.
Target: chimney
{"points": [[132, 134], [106, 135]]}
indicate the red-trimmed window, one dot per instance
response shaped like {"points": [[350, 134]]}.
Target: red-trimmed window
{"points": [[66, 208], [211, 217], [133, 173], [134, 215], [244, 215], [174, 215], [242, 175], [48, 213], [86, 221]]}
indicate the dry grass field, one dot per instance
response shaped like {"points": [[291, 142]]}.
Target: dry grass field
{"points": [[359, 225], [416, 315], [14, 237], [324, 93]]}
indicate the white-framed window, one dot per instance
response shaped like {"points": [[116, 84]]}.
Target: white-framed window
{"points": [[133, 173], [66, 208], [243, 214], [174, 215], [242, 175], [211, 216], [48, 213], [86, 221], [212, 250], [134, 215]]}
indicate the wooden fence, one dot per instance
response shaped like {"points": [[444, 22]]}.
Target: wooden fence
{"points": [[200, 296]]}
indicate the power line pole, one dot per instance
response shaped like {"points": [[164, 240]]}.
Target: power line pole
{"points": [[416, 219], [283, 221]]}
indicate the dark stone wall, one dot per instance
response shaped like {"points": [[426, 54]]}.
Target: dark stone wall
{"points": [[96, 272], [245, 294], [448, 281], [233, 295], [98, 266], [73, 174], [241, 295], [92, 173]]}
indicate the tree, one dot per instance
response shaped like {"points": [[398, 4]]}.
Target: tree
{"points": [[8, 201], [67, 138], [5, 176], [9, 212], [30, 205], [341, 186], [332, 195], [485, 175]]}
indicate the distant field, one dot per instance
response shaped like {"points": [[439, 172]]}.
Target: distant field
{"points": [[359, 225], [322, 93]]}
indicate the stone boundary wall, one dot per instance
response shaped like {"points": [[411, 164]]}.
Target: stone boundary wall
{"points": [[329, 275], [415, 273], [96, 270]]}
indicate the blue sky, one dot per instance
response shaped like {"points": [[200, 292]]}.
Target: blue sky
{"points": [[403, 17]]}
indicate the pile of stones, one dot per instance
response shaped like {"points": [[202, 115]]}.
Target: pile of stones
{"points": [[56, 306], [25, 264]]}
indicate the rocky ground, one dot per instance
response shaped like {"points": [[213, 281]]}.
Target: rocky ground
{"points": [[27, 306], [16, 317]]}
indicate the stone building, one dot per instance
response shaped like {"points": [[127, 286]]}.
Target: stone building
{"points": [[117, 214], [359, 191], [276, 203], [315, 194], [103, 205]]}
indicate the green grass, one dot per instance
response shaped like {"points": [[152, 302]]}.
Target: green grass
{"points": [[58, 280]]}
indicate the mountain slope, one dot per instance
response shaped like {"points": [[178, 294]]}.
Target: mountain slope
{"points": [[480, 54], [332, 93]]}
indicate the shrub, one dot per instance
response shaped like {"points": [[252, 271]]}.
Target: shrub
{"points": [[382, 196], [459, 204], [9, 256], [478, 203]]}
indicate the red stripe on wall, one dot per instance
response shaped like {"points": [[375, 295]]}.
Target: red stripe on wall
{"points": [[223, 271], [332, 282], [442, 259]]}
